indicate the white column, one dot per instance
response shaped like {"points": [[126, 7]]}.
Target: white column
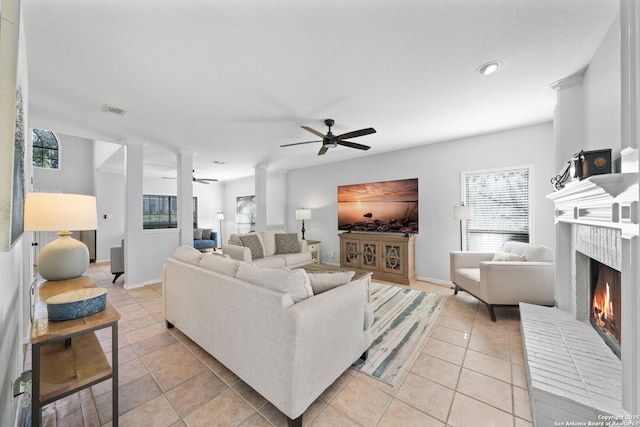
{"points": [[568, 129], [261, 197], [630, 87], [185, 196], [133, 233]]}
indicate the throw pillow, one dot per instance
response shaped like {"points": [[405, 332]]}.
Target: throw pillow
{"points": [[197, 234], [206, 233], [220, 264], [287, 243], [322, 281], [506, 256], [294, 282], [188, 254], [252, 242]]}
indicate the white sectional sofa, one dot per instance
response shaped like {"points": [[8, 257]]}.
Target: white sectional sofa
{"points": [[271, 249], [266, 325]]}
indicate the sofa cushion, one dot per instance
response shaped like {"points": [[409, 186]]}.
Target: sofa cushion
{"points": [[269, 241], [294, 282], [368, 316], [299, 258], [252, 241], [206, 233], [220, 264], [322, 281], [188, 254], [287, 243], [271, 262], [197, 234], [506, 256]]}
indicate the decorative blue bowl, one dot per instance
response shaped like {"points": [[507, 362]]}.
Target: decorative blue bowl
{"points": [[75, 304]]}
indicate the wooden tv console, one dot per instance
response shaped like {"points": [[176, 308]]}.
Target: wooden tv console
{"points": [[388, 257]]}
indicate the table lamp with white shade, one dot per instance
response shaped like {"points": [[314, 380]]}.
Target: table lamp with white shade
{"points": [[65, 257], [303, 214]]}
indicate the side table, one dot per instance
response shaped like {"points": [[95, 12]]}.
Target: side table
{"points": [[314, 248], [66, 355]]}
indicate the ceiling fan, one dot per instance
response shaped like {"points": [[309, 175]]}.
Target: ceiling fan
{"points": [[330, 140], [194, 179]]}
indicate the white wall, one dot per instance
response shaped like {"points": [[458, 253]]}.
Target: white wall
{"points": [[438, 168], [76, 174], [601, 95]]}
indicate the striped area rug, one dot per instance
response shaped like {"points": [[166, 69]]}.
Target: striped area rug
{"points": [[403, 317]]}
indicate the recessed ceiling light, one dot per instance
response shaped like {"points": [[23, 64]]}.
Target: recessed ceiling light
{"points": [[489, 68]]}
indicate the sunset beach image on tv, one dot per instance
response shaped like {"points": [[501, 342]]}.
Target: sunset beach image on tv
{"points": [[387, 206]]}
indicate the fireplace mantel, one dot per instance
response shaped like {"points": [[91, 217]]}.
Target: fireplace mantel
{"points": [[609, 200]]}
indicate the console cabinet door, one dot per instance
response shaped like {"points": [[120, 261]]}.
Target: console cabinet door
{"points": [[394, 258], [370, 254], [350, 253]]}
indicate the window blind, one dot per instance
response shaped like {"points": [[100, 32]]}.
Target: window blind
{"points": [[500, 201]]}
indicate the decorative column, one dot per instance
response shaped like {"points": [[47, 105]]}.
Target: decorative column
{"points": [[568, 129], [630, 90], [185, 196], [261, 197], [133, 234]]}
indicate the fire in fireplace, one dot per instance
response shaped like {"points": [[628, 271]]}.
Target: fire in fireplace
{"points": [[605, 308]]}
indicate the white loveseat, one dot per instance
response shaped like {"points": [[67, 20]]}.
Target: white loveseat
{"points": [[519, 272], [288, 352], [266, 251]]}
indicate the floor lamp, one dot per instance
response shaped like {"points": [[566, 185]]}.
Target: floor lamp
{"points": [[462, 213], [220, 219]]}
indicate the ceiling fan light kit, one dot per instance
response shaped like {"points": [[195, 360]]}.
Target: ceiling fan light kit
{"points": [[331, 141]]}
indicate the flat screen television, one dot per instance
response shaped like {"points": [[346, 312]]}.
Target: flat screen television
{"points": [[385, 207]]}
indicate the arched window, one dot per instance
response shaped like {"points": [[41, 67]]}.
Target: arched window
{"points": [[45, 149]]}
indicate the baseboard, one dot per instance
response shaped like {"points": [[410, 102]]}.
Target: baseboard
{"points": [[140, 285], [444, 283]]}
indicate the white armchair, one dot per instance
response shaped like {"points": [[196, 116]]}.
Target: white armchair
{"points": [[520, 272]]}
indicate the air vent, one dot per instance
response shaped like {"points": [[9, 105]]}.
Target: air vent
{"points": [[113, 110]]}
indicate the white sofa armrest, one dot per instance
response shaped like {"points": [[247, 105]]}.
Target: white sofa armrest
{"points": [[462, 259], [304, 246], [240, 253], [511, 282]]}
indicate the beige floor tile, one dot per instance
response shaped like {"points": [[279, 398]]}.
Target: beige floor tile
{"points": [[466, 412], [493, 346], [401, 414], [486, 389], [452, 336], [153, 343], [488, 365], [226, 409], [436, 370], [256, 420], [464, 325], [427, 396], [521, 405], [171, 375], [195, 392], [519, 375], [361, 402], [132, 325], [331, 417], [130, 396], [380, 385], [519, 422], [245, 391], [444, 350], [158, 412], [146, 332], [131, 370]]}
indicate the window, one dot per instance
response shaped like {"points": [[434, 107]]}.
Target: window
{"points": [[245, 214], [162, 212], [500, 200], [45, 149]]}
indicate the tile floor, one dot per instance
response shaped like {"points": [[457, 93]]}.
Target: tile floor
{"points": [[470, 372]]}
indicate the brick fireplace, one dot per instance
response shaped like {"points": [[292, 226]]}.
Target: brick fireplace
{"points": [[573, 375]]}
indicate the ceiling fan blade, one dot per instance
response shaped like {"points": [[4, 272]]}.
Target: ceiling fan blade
{"points": [[298, 143], [201, 181], [207, 179], [169, 177], [353, 145], [355, 133], [323, 150], [313, 131]]}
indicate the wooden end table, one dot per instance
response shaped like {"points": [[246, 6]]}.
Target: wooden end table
{"points": [[66, 355]]}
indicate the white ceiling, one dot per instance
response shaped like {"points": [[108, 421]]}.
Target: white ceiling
{"points": [[232, 80]]}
